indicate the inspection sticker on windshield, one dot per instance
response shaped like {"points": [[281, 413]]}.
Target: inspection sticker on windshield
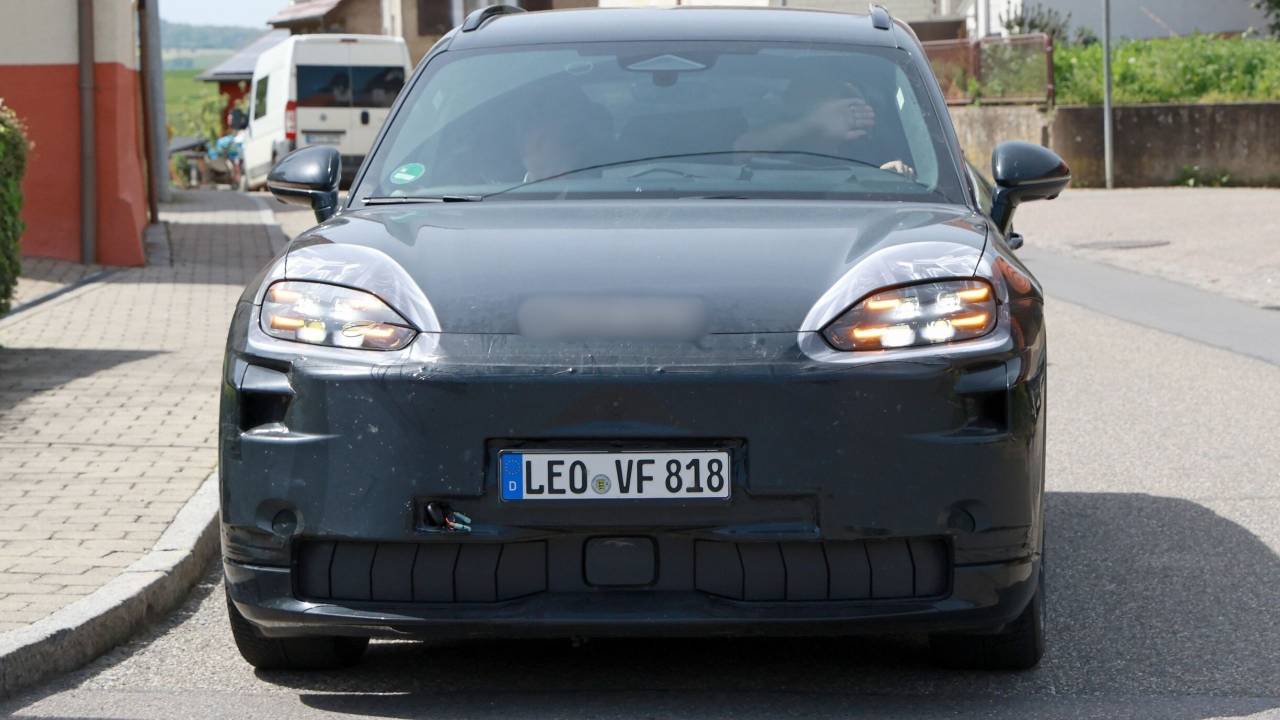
{"points": [[638, 475], [406, 174]]}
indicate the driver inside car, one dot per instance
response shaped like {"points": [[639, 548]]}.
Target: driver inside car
{"points": [[548, 148], [835, 120]]}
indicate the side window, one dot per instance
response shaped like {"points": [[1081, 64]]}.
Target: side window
{"points": [[916, 129], [260, 97]]}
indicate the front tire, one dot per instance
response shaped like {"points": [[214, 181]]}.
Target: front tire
{"points": [[304, 653], [1019, 646]]}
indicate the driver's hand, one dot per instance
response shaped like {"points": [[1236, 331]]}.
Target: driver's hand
{"points": [[843, 119], [900, 167]]}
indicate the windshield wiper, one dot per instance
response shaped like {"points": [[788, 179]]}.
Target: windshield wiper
{"points": [[678, 156], [414, 199]]}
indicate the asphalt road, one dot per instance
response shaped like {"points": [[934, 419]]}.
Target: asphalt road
{"points": [[1164, 582]]}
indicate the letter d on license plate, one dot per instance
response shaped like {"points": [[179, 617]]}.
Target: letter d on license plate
{"points": [[550, 475]]}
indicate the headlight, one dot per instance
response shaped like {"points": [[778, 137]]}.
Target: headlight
{"points": [[926, 314], [322, 314]]}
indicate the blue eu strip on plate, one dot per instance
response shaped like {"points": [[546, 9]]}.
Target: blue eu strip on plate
{"points": [[512, 476]]}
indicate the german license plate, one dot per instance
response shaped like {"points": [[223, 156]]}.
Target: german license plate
{"points": [[638, 475], [324, 138]]}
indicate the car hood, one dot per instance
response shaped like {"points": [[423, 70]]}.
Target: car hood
{"points": [[706, 266]]}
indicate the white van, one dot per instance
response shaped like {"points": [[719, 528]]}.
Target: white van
{"points": [[321, 90]]}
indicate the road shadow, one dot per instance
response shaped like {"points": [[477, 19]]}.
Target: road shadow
{"points": [[1159, 608], [26, 372], [1148, 596]]}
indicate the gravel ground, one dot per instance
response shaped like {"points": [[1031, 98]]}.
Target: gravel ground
{"points": [[1223, 240], [1164, 528]]}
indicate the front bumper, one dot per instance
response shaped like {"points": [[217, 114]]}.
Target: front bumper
{"points": [[929, 468], [982, 598]]}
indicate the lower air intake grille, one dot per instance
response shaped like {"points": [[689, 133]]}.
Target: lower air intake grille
{"points": [[857, 570], [470, 572], [427, 572]]}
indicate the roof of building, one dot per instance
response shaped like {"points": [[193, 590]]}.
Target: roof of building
{"points": [[678, 23], [240, 66], [303, 12]]}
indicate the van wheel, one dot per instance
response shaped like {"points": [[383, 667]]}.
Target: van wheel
{"points": [[1019, 646], [304, 653]]}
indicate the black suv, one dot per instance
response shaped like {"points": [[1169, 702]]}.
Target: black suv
{"points": [[643, 322]]}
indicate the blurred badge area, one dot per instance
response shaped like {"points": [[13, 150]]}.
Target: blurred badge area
{"points": [[612, 317]]}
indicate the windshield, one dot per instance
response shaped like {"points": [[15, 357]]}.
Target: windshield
{"points": [[660, 120]]}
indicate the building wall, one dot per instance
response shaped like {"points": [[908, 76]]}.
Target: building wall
{"points": [[39, 79], [1162, 144], [1155, 145], [981, 129], [1161, 18], [908, 10], [403, 14], [418, 44], [363, 17]]}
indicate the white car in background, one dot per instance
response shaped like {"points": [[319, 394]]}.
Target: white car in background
{"points": [[321, 90]]}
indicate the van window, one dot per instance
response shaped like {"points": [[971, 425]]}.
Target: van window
{"points": [[344, 86], [260, 97], [376, 87], [324, 86]]}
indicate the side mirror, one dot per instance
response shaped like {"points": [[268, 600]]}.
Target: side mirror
{"points": [[309, 176], [1023, 172]]}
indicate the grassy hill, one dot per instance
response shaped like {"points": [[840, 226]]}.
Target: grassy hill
{"points": [[192, 107], [180, 36]]}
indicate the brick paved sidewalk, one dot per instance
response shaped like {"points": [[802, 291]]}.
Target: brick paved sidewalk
{"points": [[1222, 240], [41, 276], [108, 406]]}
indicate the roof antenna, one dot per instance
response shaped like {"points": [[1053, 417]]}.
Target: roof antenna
{"points": [[880, 18]]}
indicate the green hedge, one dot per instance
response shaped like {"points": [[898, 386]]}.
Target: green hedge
{"points": [[13, 162], [1193, 69]]}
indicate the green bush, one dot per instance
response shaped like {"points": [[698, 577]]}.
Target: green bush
{"points": [[194, 108], [1193, 69], [13, 162]]}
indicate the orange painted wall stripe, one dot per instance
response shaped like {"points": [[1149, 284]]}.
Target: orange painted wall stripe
{"points": [[46, 97]]}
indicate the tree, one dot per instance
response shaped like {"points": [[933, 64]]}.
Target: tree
{"points": [[1039, 19], [1270, 8]]}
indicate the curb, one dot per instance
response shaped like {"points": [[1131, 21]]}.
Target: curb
{"points": [[147, 589]]}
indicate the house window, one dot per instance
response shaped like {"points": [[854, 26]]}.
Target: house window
{"points": [[435, 17]]}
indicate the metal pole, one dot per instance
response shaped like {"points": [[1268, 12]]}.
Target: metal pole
{"points": [[88, 151], [1108, 129], [148, 120], [153, 73]]}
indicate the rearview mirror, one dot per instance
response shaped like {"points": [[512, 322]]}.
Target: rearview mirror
{"points": [[309, 176], [1023, 172]]}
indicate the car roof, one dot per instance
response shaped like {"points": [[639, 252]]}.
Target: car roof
{"points": [[677, 23]]}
